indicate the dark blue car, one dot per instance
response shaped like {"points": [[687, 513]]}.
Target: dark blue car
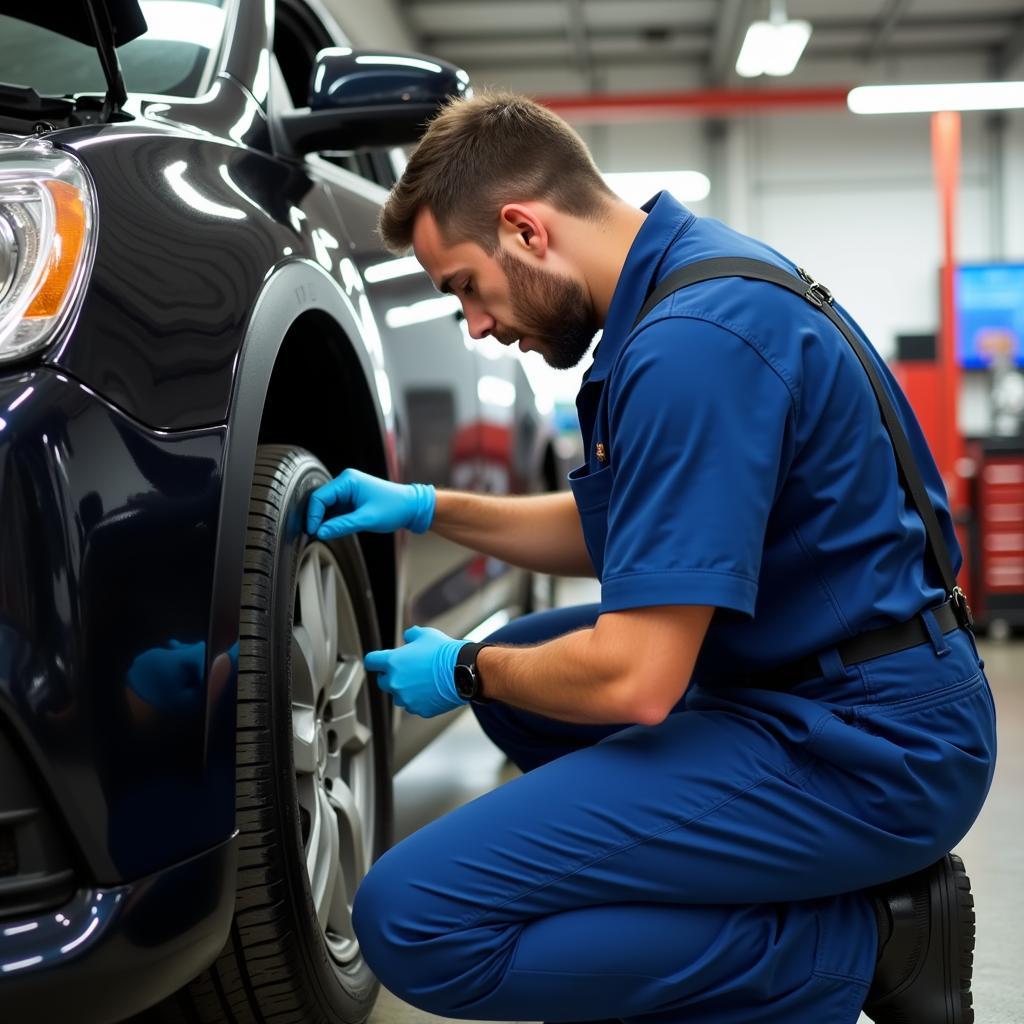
{"points": [[198, 325]]}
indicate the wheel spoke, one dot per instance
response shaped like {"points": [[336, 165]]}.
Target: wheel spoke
{"points": [[323, 860], [349, 679], [352, 734], [313, 841], [348, 682], [312, 612], [304, 687], [339, 917], [332, 769], [329, 594], [350, 832]]}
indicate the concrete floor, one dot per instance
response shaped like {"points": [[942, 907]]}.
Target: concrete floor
{"points": [[463, 764]]}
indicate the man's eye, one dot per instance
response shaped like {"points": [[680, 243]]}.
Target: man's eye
{"points": [[467, 288]]}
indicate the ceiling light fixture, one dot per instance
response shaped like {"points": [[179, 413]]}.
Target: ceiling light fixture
{"points": [[925, 99], [773, 47]]}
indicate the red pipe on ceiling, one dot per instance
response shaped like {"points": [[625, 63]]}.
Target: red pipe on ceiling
{"points": [[697, 102]]}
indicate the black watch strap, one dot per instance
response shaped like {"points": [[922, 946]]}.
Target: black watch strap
{"points": [[468, 683]]}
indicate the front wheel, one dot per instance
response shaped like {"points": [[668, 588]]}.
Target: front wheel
{"points": [[313, 775]]}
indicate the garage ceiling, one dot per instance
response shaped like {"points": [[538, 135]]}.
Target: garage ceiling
{"points": [[592, 34]]}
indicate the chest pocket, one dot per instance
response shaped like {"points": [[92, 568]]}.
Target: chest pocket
{"points": [[592, 492], [591, 483]]}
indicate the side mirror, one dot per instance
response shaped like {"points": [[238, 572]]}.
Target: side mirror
{"points": [[360, 98]]}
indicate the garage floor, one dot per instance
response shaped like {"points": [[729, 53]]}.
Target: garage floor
{"points": [[464, 764]]}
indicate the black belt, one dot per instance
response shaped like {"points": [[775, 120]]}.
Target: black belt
{"points": [[874, 643]]}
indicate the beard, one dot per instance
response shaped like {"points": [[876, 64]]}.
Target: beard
{"points": [[552, 307]]}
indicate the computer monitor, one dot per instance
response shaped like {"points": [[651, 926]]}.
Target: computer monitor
{"points": [[989, 303]]}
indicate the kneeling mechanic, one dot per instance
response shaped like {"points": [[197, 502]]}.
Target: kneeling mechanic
{"points": [[745, 768]]}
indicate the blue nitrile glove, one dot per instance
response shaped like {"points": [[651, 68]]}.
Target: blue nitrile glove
{"points": [[421, 675], [369, 503]]}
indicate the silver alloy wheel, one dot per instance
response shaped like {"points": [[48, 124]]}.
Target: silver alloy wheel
{"points": [[333, 745]]}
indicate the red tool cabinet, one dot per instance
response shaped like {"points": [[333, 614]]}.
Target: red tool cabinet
{"points": [[999, 566]]}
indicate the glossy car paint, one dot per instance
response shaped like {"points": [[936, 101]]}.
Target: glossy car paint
{"points": [[126, 457], [102, 956], [108, 534]]}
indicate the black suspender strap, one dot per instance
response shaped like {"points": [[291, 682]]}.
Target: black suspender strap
{"points": [[821, 298]]}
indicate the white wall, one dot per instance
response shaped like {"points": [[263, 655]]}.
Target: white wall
{"points": [[1014, 188], [378, 24]]}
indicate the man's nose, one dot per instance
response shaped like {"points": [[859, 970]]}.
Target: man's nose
{"points": [[480, 324]]}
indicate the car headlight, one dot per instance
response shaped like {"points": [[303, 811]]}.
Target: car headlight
{"points": [[47, 222]]}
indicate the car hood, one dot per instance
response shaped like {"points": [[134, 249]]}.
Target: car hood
{"points": [[124, 21]]}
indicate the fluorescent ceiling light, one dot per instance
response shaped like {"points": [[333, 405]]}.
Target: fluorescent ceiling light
{"points": [[636, 187], [920, 99], [772, 48]]}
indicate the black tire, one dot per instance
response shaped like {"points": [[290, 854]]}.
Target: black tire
{"points": [[278, 966]]}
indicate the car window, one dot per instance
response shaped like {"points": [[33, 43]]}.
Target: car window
{"points": [[175, 57], [299, 35]]}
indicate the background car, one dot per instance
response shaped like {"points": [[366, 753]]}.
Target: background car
{"points": [[198, 325]]}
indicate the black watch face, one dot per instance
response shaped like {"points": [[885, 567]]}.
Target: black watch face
{"points": [[465, 682]]}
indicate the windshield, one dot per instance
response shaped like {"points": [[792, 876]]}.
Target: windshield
{"points": [[175, 57]]}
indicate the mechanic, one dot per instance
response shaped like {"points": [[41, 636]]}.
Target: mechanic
{"points": [[745, 767]]}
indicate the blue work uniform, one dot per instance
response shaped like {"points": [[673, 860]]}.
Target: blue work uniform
{"points": [[710, 868]]}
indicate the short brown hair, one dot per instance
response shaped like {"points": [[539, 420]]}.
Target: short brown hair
{"points": [[479, 154]]}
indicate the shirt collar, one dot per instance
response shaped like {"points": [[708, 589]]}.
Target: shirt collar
{"points": [[666, 219]]}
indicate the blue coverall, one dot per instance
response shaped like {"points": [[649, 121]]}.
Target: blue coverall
{"points": [[710, 868]]}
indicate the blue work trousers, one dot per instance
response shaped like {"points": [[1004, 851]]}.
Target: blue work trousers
{"points": [[707, 869]]}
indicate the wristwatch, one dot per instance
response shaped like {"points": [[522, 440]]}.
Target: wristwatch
{"points": [[468, 684]]}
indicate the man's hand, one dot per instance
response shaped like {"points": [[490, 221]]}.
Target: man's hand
{"points": [[421, 675], [369, 503]]}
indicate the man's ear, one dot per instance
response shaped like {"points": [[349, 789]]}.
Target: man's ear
{"points": [[522, 228]]}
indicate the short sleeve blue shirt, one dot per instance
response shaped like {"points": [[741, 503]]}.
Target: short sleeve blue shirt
{"points": [[736, 457]]}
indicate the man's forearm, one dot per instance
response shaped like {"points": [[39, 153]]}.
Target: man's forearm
{"points": [[540, 532], [632, 667], [563, 679]]}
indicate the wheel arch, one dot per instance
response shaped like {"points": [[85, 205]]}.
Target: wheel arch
{"points": [[301, 319], [319, 400]]}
